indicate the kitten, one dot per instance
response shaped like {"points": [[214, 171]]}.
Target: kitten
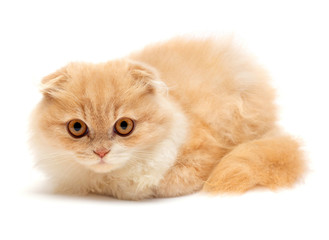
{"points": [[170, 120]]}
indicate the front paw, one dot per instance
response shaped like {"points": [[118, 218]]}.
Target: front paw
{"points": [[65, 189]]}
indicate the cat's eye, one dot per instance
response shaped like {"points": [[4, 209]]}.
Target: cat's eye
{"points": [[77, 128], [124, 126]]}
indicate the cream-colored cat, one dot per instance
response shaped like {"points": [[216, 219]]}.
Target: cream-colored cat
{"points": [[170, 120]]}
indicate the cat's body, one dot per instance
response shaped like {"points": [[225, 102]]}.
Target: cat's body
{"points": [[203, 116]]}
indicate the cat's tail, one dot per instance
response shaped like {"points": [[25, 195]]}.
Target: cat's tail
{"points": [[273, 161]]}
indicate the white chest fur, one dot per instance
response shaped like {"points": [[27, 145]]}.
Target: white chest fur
{"points": [[140, 178]]}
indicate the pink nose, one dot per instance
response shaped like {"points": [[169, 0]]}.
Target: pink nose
{"points": [[101, 152]]}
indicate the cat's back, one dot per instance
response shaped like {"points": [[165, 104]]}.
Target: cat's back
{"points": [[208, 65], [183, 59], [215, 80]]}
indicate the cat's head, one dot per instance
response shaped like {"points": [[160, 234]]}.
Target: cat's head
{"points": [[101, 115]]}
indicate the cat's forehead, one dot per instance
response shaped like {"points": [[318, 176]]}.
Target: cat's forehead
{"points": [[99, 81], [100, 91]]}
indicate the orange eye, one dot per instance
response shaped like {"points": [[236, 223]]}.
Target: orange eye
{"points": [[124, 126], [77, 128]]}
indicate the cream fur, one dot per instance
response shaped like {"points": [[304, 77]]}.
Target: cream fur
{"points": [[205, 118]]}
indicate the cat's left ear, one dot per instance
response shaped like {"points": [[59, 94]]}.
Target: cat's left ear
{"points": [[52, 84], [148, 77]]}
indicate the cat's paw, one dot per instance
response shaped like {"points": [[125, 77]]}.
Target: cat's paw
{"points": [[225, 178], [65, 189]]}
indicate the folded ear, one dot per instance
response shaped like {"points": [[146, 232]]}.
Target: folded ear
{"points": [[53, 83], [147, 76]]}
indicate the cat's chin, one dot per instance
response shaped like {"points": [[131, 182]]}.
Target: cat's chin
{"points": [[102, 167]]}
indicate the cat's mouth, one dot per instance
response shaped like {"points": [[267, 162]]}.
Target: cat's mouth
{"points": [[101, 161], [101, 167], [102, 164]]}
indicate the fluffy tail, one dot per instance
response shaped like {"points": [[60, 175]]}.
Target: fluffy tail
{"points": [[272, 161]]}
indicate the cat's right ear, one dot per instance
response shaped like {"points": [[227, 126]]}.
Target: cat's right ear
{"points": [[52, 84], [147, 76]]}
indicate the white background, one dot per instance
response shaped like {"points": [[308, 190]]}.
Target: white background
{"points": [[290, 38]]}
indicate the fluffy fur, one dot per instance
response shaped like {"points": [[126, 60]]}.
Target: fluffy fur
{"points": [[205, 119]]}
